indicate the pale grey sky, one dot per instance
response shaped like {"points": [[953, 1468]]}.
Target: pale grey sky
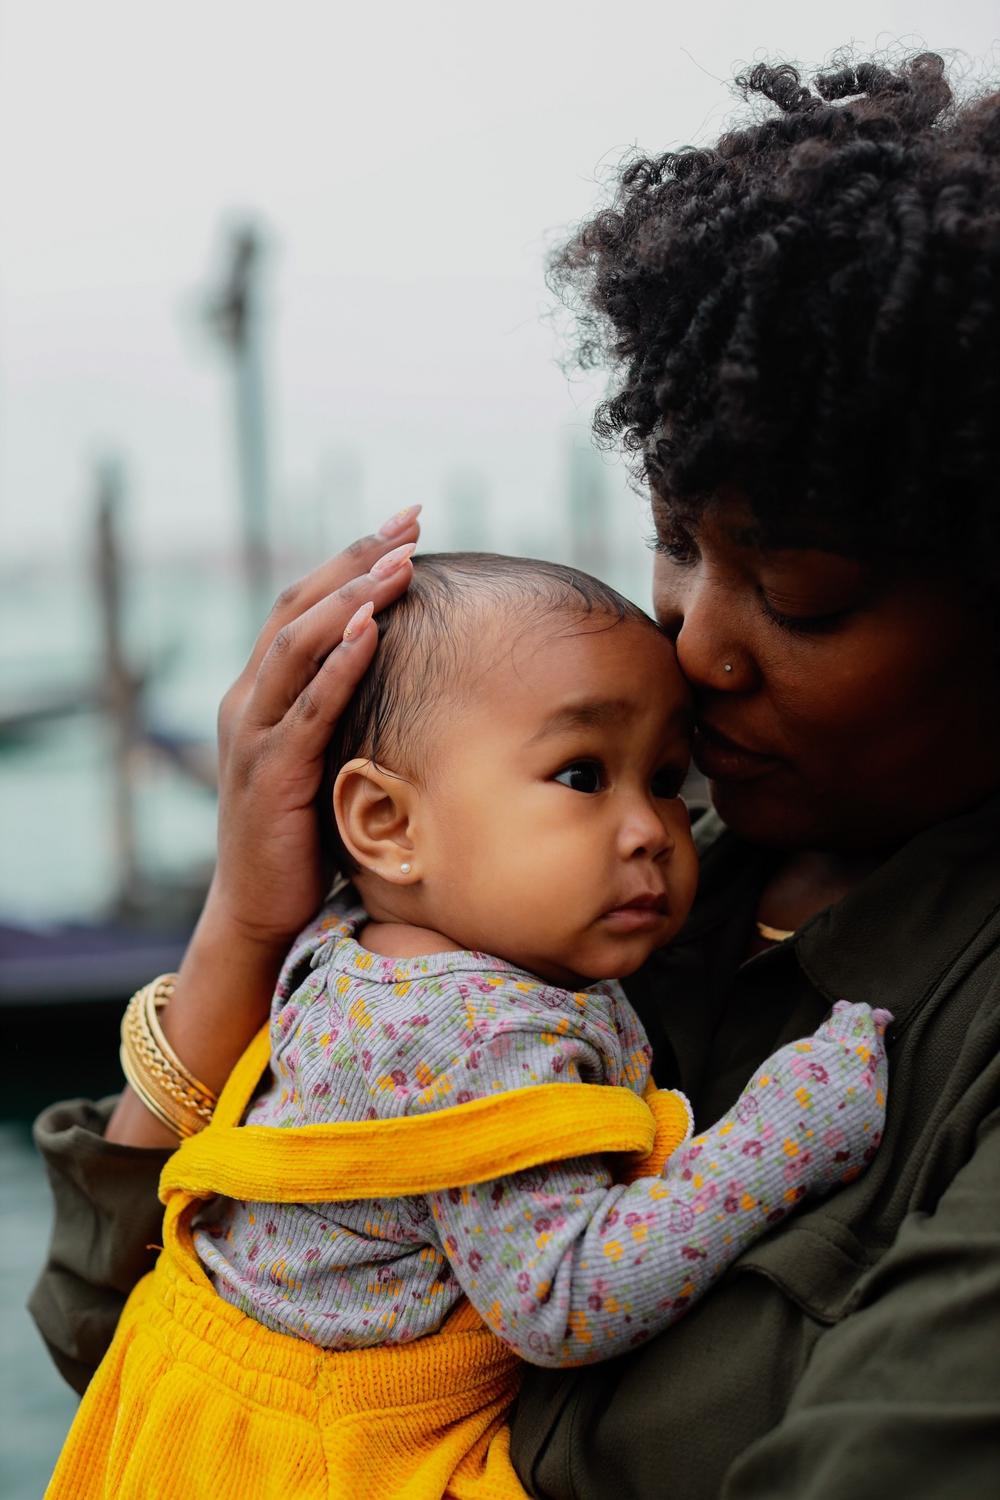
{"points": [[411, 163]]}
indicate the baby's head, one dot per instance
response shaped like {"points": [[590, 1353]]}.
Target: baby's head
{"points": [[508, 772]]}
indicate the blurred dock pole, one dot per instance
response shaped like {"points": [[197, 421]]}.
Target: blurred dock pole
{"points": [[122, 688], [233, 315]]}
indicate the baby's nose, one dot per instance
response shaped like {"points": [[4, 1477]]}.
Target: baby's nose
{"points": [[645, 835]]}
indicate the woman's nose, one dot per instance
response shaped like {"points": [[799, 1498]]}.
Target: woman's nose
{"points": [[704, 631]]}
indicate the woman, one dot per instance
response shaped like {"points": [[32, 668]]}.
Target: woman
{"points": [[806, 321]]}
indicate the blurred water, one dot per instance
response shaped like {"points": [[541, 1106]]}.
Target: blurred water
{"points": [[36, 1407]]}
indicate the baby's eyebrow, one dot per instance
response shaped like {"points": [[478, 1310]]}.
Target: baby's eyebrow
{"points": [[599, 713], [596, 713]]}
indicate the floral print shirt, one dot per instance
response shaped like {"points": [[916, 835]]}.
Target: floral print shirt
{"points": [[564, 1263]]}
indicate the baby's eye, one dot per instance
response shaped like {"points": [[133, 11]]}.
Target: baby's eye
{"points": [[582, 776], [668, 782]]}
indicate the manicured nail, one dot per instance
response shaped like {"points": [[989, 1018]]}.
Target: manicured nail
{"points": [[398, 522], [393, 560], [358, 620]]}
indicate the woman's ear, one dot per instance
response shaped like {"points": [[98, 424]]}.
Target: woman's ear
{"points": [[374, 809]]}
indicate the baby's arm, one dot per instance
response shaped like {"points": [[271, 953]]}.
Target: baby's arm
{"points": [[569, 1267]]}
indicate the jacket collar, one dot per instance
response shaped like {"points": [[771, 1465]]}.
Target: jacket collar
{"points": [[894, 937], [888, 943], [891, 940]]}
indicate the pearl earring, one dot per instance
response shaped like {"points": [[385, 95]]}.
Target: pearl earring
{"points": [[404, 869], [727, 666]]}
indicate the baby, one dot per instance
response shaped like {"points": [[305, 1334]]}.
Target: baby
{"points": [[504, 797]]}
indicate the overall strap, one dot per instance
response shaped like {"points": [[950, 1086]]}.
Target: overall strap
{"points": [[464, 1143], [239, 1087]]}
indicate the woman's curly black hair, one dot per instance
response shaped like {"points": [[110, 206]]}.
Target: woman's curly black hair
{"points": [[809, 312]]}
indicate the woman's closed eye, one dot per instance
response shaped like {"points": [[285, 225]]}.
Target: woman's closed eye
{"points": [[673, 541], [803, 623], [582, 776], [813, 593]]}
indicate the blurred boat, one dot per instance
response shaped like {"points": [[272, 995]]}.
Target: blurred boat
{"points": [[66, 963]]}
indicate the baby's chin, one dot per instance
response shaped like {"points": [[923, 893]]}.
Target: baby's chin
{"points": [[623, 963]]}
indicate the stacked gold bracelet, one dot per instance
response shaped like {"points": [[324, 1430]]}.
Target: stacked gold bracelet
{"points": [[165, 1086]]}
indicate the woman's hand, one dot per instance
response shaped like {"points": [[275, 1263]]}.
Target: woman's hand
{"points": [[274, 726]]}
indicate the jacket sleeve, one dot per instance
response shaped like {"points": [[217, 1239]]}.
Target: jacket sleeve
{"points": [[105, 1233], [902, 1397]]}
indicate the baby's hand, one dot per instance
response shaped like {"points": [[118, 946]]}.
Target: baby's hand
{"points": [[854, 1025], [820, 1102], [810, 1119]]}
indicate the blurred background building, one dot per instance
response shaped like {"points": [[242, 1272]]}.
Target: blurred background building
{"points": [[270, 273]]}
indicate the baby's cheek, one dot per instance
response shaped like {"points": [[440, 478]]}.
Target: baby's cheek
{"points": [[683, 876]]}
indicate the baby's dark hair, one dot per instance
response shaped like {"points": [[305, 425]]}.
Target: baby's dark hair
{"points": [[430, 653], [809, 312]]}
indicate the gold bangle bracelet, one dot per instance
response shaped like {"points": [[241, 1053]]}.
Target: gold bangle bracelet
{"points": [[169, 1090]]}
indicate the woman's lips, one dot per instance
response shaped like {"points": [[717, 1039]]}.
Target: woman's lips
{"points": [[722, 759]]}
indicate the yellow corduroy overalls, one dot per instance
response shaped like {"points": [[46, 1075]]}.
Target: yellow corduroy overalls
{"points": [[196, 1400]]}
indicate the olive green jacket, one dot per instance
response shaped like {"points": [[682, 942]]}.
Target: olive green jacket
{"points": [[851, 1354]]}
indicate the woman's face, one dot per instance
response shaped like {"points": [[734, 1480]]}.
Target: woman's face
{"points": [[840, 705]]}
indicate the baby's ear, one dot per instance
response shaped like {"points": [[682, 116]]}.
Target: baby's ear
{"points": [[373, 809]]}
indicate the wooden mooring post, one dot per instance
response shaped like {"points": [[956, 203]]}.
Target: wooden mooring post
{"points": [[121, 687], [234, 316]]}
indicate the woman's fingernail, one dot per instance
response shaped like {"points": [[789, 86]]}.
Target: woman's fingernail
{"points": [[358, 620], [398, 522], [393, 560]]}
